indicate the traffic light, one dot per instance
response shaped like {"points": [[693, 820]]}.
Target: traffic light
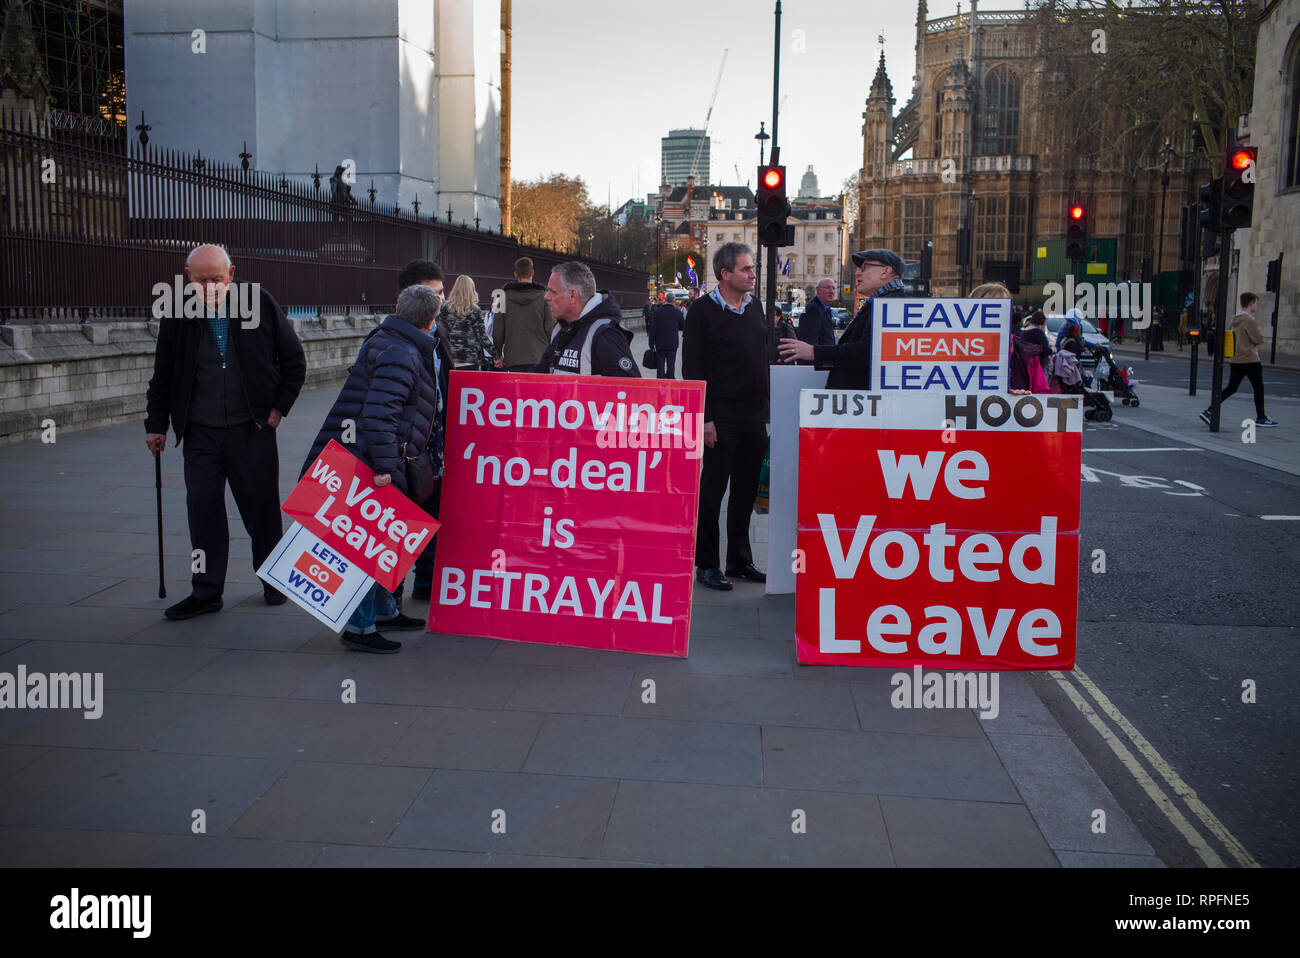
{"points": [[1210, 216], [1076, 232], [1272, 279], [1187, 250], [1238, 187], [773, 208]]}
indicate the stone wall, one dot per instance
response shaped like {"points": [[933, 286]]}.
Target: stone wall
{"points": [[97, 374], [1276, 211]]}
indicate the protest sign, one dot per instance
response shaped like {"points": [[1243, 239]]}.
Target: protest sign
{"points": [[952, 345], [938, 530], [375, 527], [316, 577], [569, 507]]}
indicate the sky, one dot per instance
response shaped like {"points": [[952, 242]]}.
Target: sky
{"points": [[597, 83]]}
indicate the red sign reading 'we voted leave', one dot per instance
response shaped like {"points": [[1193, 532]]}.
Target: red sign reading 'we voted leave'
{"points": [[568, 511], [375, 527], [938, 530]]}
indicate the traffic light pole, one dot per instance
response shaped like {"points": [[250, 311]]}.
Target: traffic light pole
{"points": [[774, 160], [1221, 325]]}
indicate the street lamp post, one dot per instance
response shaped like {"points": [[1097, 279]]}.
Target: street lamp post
{"points": [[1166, 151]]}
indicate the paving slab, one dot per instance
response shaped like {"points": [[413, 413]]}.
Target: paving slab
{"points": [[371, 856], [541, 814], [473, 739], [415, 680], [940, 833], [721, 826], [130, 719], [251, 632], [1098, 860], [749, 701], [72, 848], [884, 763], [331, 802], [297, 729], [220, 851], [716, 655], [18, 588], [580, 691], [134, 791], [653, 749], [14, 758], [124, 666], [63, 623], [248, 672]]}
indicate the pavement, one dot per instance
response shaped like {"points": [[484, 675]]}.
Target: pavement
{"points": [[224, 740], [1169, 412]]}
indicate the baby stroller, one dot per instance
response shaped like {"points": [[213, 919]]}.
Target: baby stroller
{"points": [[1096, 407], [1112, 377]]}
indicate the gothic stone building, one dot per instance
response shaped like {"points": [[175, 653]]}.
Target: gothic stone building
{"points": [[976, 146]]}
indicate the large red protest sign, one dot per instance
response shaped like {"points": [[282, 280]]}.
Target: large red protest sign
{"points": [[938, 530], [375, 527], [568, 510]]}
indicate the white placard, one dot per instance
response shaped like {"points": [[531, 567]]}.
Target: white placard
{"points": [[941, 345], [311, 574], [783, 471]]}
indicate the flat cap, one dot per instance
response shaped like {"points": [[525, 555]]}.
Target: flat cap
{"points": [[886, 257]]}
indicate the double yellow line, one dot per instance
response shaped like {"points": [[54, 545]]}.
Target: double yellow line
{"points": [[1149, 785]]}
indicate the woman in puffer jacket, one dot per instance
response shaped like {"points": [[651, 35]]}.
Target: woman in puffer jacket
{"points": [[462, 320], [392, 396]]}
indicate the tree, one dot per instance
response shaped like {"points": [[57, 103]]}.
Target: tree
{"points": [[1129, 78], [548, 212]]}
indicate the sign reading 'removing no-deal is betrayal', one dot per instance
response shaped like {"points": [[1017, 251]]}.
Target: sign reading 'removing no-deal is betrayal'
{"points": [[948, 345], [568, 509], [938, 530]]}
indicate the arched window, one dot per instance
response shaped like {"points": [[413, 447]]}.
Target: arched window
{"points": [[1001, 109], [938, 119], [1291, 118]]}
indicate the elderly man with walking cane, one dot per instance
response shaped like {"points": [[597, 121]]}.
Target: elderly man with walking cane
{"points": [[224, 380]]}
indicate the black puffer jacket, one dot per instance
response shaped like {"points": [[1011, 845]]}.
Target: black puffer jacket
{"points": [[391, 396]]}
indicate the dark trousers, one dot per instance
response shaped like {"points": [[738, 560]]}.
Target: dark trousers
{"points": [[248, 459], [423, 568], [736, 459], [1255, 373], [667, 363]]}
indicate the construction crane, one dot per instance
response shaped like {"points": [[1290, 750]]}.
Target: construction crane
{"points": [[699, 147]]}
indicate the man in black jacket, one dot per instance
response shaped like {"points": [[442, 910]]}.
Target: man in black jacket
{"points": [[726, 346], [879, 274], [587, 339], [225, 380], [666, 323], [817, 325]]}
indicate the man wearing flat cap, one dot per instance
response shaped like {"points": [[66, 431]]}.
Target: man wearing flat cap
{"points": [[879, 274]]}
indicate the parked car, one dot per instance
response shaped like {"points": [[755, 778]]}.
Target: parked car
{"points": [[1093, 341], [841, 316]]}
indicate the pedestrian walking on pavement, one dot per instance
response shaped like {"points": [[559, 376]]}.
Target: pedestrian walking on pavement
{"points": [[393, 396], [726, 347], [784, 328], [587, 340], [462, 322], [522, 330], [1244, 361], [664, 331], [224, 381], [879, 273]]}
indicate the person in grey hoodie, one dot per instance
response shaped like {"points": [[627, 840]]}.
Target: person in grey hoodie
{"points": [[522, 331]]}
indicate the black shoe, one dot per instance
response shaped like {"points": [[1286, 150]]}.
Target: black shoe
{"points": [[1205, 417], [274, 597], [189, 607], [400, 621], [374, 642], [713, 578], [748, 572], [421, 593]]}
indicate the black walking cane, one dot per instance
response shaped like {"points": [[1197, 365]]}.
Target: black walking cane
{"points": [[157, 481]]}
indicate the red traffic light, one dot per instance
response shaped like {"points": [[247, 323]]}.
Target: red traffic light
{"points": [[1076, 212], [772, 178], [1241, 159]]}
